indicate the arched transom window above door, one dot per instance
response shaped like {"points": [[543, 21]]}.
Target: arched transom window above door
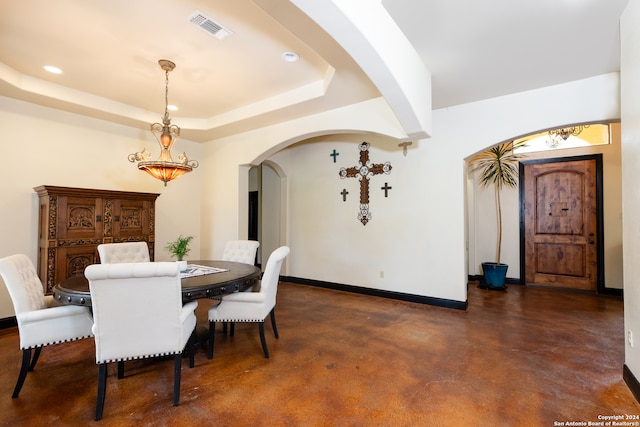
{"points": [[567, 137]]}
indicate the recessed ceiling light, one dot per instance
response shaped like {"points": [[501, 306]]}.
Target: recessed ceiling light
{"points": [[290, 56], [52, 69], [172, 108]]}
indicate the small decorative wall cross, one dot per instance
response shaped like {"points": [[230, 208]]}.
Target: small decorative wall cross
{"points": [[344, 193], [404, 147], [364, 171], [386, 189], [334, 155]]}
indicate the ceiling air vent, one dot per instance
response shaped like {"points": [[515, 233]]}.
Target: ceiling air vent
{"points": [[207, 24]]}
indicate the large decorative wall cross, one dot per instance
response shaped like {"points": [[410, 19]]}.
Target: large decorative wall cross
{"points": [[364, 171]]}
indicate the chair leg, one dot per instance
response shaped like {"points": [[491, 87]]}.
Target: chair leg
{"points": [[212, 333], [177, 368], [121, 369], [191, 345], [36, 355], [232, 328], [26, 359], [273, 322], [102, 388], [263, 340]]}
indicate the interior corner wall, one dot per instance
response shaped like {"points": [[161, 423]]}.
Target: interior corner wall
{"points": [[630, 105], [44, 146]]}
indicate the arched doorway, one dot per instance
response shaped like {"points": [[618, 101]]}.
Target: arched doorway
{"points": [[481, 207], [267, 213]]}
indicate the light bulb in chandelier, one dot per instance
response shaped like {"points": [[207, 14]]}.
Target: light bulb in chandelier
{"points": [[165, 139]]}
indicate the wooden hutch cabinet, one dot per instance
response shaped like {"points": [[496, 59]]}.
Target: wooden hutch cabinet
{"points": [[74, 221]]}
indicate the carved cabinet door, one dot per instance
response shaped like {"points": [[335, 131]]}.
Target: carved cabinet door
{"points": [[79, 230], [79, 219], [131, 219], [71, 261]]}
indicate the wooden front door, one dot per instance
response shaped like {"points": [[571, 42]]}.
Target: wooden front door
{"points": [[560, 218]]}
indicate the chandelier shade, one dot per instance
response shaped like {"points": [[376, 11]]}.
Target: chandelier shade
{"points": [[165, 168]]}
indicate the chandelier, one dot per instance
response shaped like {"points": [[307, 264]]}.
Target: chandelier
{"points": [[556, 136], [165, 168]]}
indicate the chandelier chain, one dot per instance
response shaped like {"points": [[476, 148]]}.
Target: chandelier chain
{"points": [[166, 93]]}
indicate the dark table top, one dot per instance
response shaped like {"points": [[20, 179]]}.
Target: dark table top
{"points": [[75, 290]]}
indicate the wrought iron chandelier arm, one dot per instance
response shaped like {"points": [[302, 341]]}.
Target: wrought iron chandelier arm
{"points": [[140, 156]]}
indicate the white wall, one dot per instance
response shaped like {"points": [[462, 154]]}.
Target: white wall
{"points": [[417, 236], [482, 213], [630, 101], [225, 182], [332, 244], [50, 147]]}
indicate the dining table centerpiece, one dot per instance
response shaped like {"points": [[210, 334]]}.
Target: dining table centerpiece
{"points": [[179, 248]]}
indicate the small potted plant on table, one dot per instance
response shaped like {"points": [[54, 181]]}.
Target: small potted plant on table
{"points": [[179, 248]]}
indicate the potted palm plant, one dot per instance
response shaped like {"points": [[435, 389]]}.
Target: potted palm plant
{"points": [[498, 167], [179, 248]]}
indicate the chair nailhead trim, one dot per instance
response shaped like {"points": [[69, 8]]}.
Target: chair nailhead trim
{"points": [[146, 356], [58, 342]]}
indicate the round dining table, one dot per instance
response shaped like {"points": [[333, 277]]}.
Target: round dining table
{"points": [[236, 277]]}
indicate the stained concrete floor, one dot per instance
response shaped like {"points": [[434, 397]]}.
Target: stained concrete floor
{"points": [[529, 356]]}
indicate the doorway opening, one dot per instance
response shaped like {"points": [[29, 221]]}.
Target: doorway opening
{"points": [[266, 213], [481, 228]]}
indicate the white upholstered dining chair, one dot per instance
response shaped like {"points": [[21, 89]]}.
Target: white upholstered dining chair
{"points": [[241, 251], [40, 321], [114, 253], [138, 313], [251, 306]]}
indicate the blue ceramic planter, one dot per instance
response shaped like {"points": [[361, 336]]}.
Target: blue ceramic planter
{"points": [[495, 275]]}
